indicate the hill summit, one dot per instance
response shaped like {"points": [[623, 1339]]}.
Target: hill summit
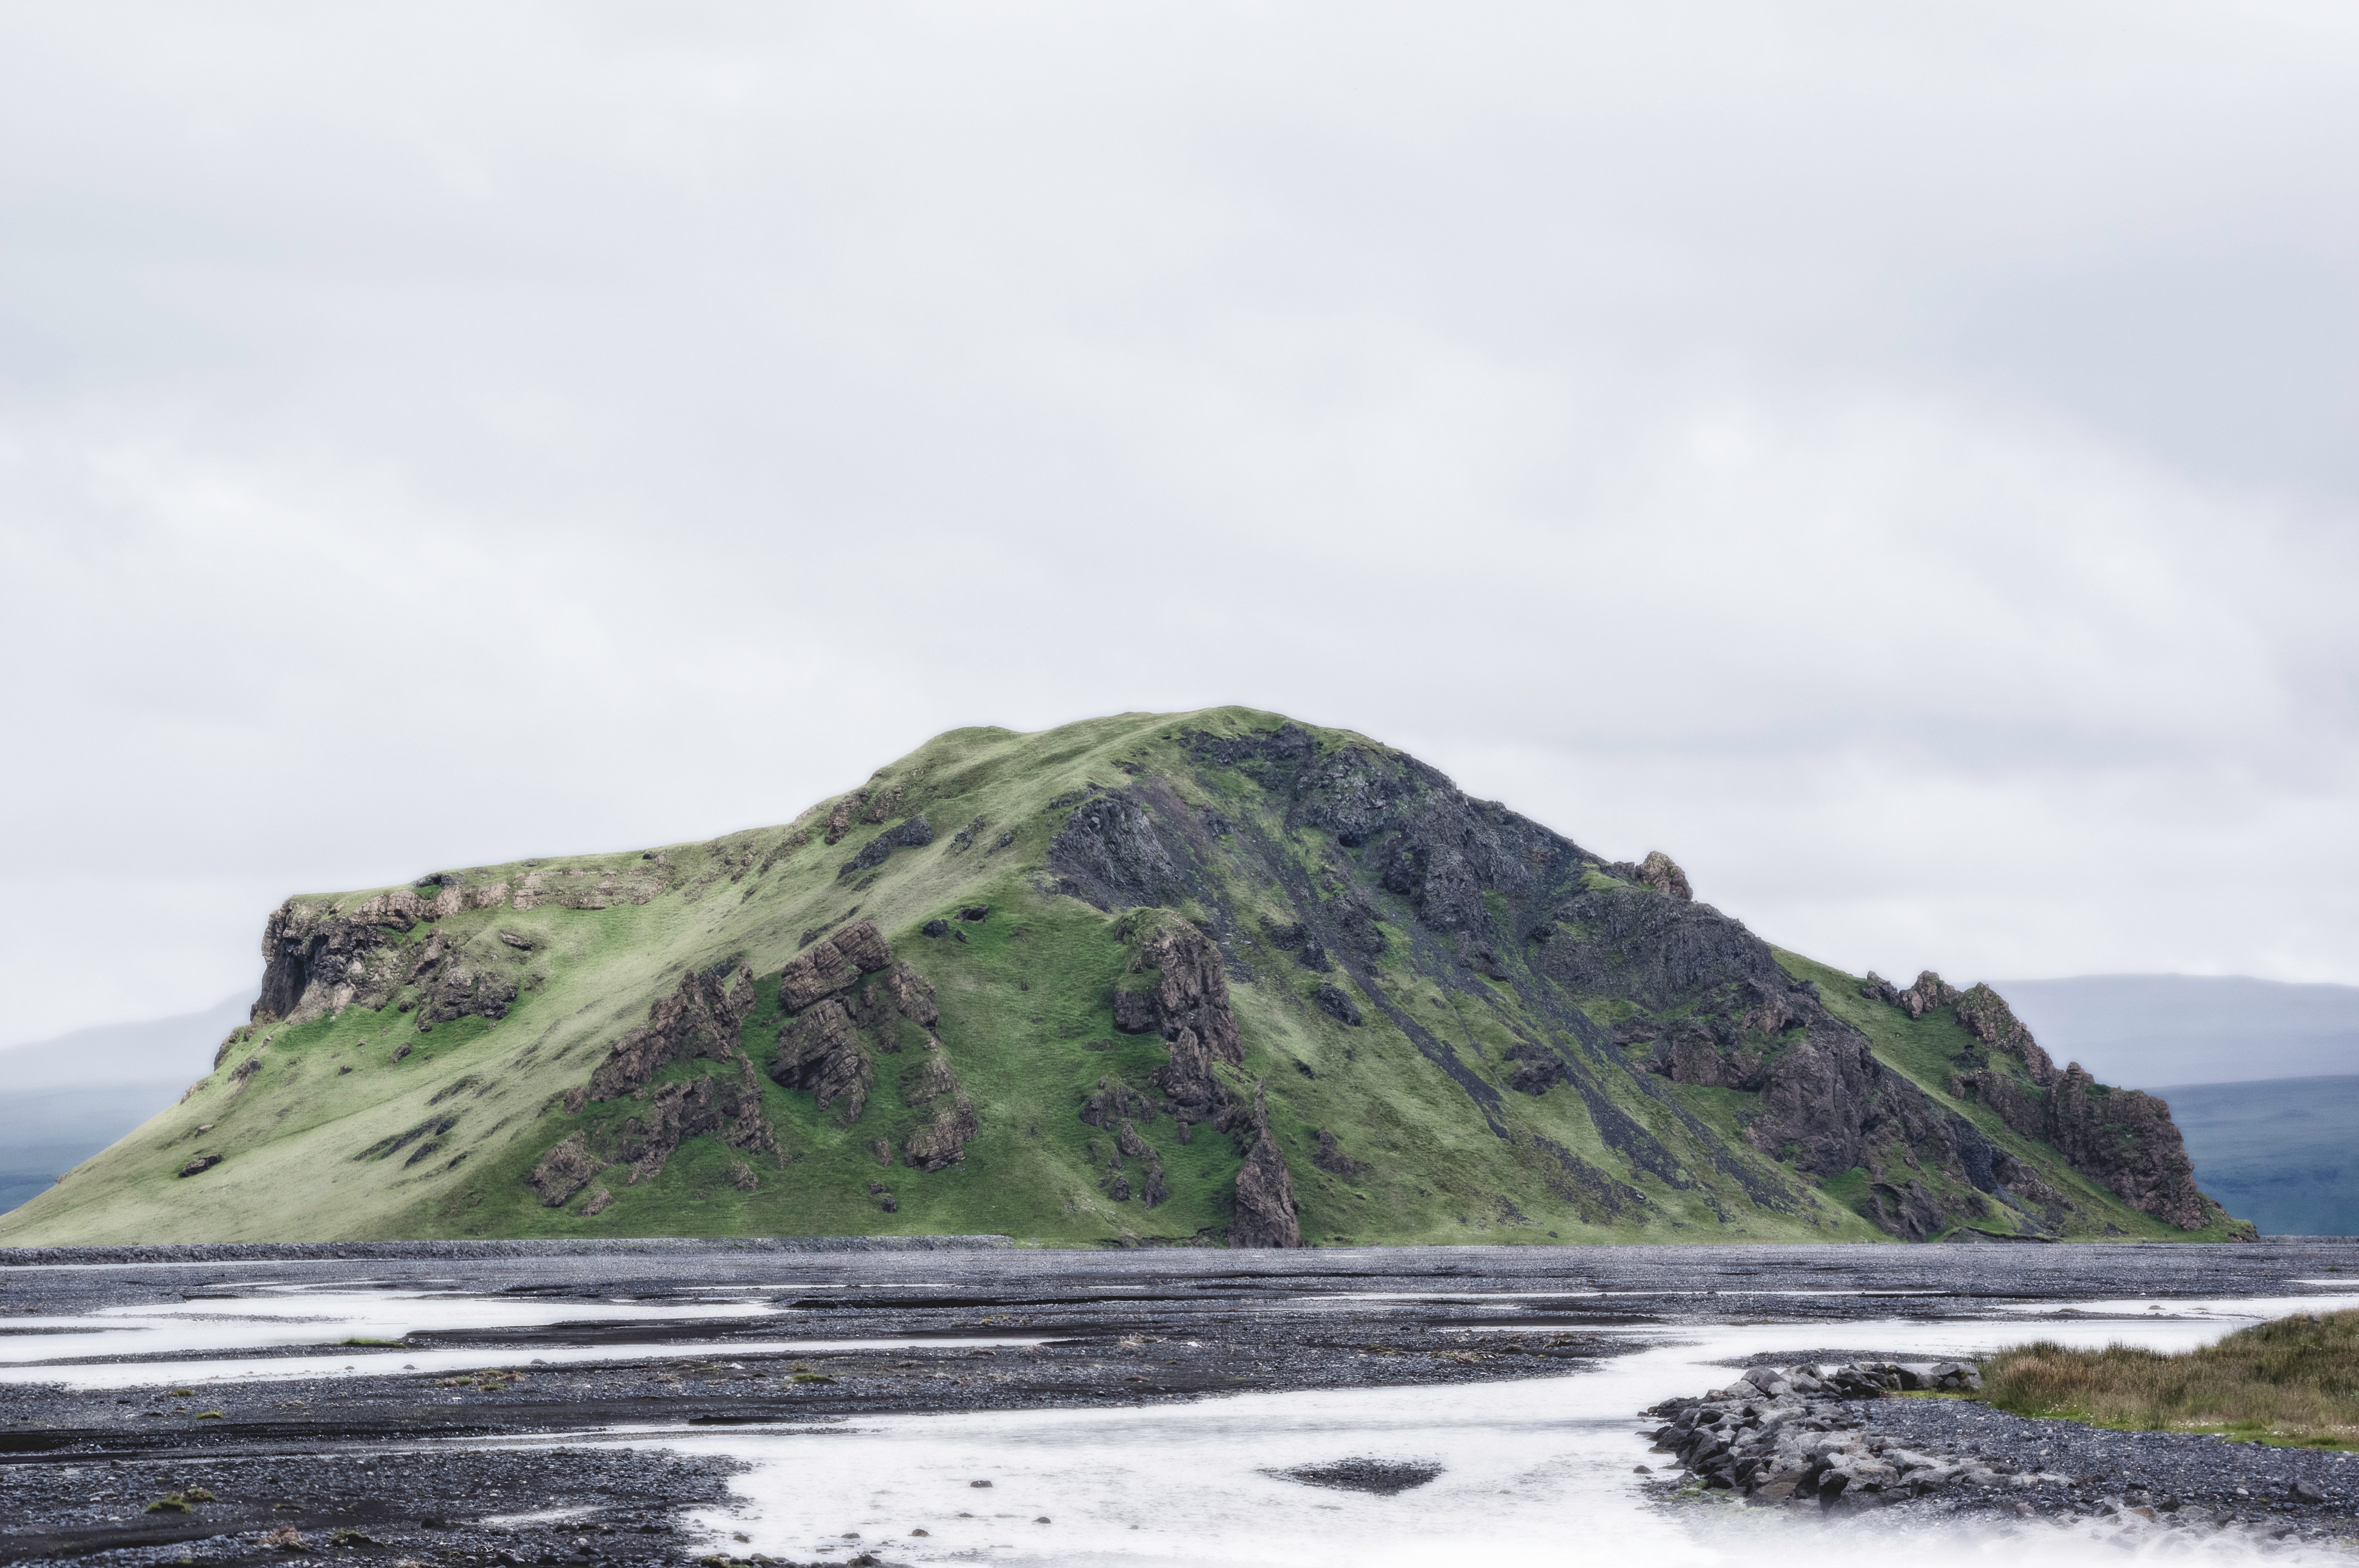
{"points": [[1152, 979]]}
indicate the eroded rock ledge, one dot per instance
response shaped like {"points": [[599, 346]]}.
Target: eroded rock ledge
{"points": [[1177, 989], [2122, 1139], [835, 1027]]}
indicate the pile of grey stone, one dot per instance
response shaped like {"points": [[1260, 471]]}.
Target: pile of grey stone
{"points": [[1785, 1435]]}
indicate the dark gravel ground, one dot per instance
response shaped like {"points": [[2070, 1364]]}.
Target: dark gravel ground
{"points": [[433, 1473], [2167, 1472]]}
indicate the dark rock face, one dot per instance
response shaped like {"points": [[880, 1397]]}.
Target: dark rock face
{"points": [[699, 1020], [936, 1089], [1989, 1019], [1534, 1069], [1337, 1004], [2122, 1139], [199, 1165], [2126, 1141], [1129, 1146], [1184, 999], [832, 965], [1330, 1157], [819, 1050], [725, 1106], [563, 1171], [315, 962], [1111, 855], [1117, 1100], [1641, 947], [839, 1026], [915, 833], [1186, 989], [1266, 1211]]}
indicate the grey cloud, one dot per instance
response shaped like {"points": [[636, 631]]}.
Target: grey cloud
{"points": [[1897, 462]]}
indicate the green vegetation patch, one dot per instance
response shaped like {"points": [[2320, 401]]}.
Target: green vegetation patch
{"points": [[2292, 1382]]}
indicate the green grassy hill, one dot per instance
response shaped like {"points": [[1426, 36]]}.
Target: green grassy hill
{"points": [[1152, 978]]}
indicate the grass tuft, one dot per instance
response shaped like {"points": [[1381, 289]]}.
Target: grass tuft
{"points": [[2293, 1380]]}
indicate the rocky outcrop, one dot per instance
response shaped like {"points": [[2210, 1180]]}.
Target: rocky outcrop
{"points": [[565, 1169], [1110, 854], [1636, 946], [1115, 1182], [1989, 1019], [914, 833], [1337, 1004], [700, 1019], [832, 966], [1113, 1101], [2121, 1139], [727, 1105], [1791, 1436], [878, 801], [1177, 988], [1265, 1215], [1659, 871], [1330, 1157], [837, 1026], [2125, 1140], [1928, 993], [819, 1050], [933, 1088]]}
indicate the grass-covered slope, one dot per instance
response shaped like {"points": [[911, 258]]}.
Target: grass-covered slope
{"points": [[1369, 1009]]}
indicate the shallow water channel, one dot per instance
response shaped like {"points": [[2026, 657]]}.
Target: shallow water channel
{"points": [[1537, 1469]]}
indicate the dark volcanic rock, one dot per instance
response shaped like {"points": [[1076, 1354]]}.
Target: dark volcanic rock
{"points": [[932, 1088], [563, 1171], [1265, 1213], [700, 1018], [1330, 1157], [1337, 1004], [2123, 1139], [1112, 855], [819, 1050], [915, 833], [1385, 1477], [1177, 989]]}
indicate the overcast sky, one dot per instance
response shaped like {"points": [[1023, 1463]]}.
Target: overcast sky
{"points": [[1900, 459]]}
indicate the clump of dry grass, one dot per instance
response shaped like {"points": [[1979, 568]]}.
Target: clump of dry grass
{"points": [[2291, 1380]]}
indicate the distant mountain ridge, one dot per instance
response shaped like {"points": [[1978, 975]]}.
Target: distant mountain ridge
{"points": [[1215, 977], [62, 1100], [2149, 1030]]}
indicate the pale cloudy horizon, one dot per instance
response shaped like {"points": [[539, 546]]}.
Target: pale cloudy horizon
{"points": [[1898, 462]]}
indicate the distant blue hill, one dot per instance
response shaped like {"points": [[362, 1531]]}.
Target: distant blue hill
{"points": [[2284, 1155], [2262, 1077], [2140, 1030], [63, 1100]]}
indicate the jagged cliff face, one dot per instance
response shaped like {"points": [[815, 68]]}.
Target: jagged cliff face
{"points": [[1212, 979]]}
